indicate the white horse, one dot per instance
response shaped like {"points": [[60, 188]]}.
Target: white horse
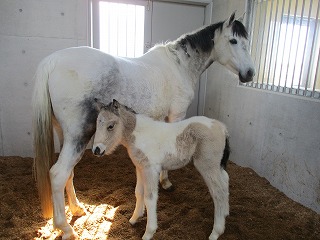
{"points": [[160, 84], [154, 146]]}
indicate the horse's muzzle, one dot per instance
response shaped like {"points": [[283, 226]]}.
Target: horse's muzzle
{"points": [[248, 76]]}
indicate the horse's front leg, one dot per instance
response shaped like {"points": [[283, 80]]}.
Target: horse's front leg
{"points": [[150, 183], [139, 209], [59, 175], [75, 206]]}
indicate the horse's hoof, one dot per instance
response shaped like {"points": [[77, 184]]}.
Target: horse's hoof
{"points": [[78, 211], [72, 236]]}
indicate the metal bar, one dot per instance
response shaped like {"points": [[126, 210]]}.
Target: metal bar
{"points": [[260, 54], [295, 61], [259, 29], [272, 43], [267, 45], [305, 44], [109, 26], [277, 49], [95, 24], [127, 29], [135, 31], [312, 46], [294, 20], [117, 19], [318, 60], [316, 75]]}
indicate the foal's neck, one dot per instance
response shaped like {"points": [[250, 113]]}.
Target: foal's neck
{"points": [[129, 123]]}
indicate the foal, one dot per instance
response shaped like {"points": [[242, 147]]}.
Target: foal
{"points": [[154, 146]]}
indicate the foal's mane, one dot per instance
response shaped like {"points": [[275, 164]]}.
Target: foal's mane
{"points": [[203, 37], [110, 107]]}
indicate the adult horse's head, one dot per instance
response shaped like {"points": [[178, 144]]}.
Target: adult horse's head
{"points": [[231, 48]]}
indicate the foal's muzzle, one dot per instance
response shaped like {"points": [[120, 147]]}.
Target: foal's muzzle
{"points": [[98, 152]]}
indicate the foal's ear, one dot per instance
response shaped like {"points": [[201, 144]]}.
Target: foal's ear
{"points": [[231, 19], [115, 106], [98, 105]]}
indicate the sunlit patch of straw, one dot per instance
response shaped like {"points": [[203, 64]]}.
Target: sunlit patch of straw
{"points": [[95, 224]]}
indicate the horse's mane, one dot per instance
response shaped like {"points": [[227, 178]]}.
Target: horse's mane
{"points": [[239, 29], [203, 37]]}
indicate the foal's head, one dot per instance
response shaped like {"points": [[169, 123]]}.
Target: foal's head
{"points": [[231, 48], [111, 123]]}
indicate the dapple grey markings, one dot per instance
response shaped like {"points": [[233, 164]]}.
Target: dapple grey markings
{"points": [[160, 84], [154, 146]]}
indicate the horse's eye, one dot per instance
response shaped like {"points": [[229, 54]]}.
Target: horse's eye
{"points": [[110, 127], [233, 41]]}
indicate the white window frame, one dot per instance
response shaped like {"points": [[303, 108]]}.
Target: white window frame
{"points": [[95, 19]]}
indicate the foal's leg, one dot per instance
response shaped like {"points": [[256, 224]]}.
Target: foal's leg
{"points": [[150, 181], [217, 181], [59, 175], [139, 209]]}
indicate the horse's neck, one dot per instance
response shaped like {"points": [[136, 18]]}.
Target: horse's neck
{"points": [[193, 61]]}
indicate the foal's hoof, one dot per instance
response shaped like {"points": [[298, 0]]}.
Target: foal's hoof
{"points": [[169, 189], [167, 185]]}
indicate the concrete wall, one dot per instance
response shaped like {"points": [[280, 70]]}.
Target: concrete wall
{"points": [[29, 31], [277, 135]]}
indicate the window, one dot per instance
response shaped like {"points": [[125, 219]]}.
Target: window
{"points": [[119, 27], [285, 46]]}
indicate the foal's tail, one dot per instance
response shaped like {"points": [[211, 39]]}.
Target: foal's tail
{"points": [[43, 135], [226, 151]]}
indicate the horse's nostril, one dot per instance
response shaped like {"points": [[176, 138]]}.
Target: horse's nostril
{"points": [[250, 73], [97, 151]]}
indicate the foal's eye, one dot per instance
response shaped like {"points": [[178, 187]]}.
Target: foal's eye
{"points": [[233, 41], [110, 127]]}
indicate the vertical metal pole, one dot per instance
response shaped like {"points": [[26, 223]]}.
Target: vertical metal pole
{"points": [[305, 44], [272, 43], [95, 24], [312, 46], [261, 48], [294, 20], [267, 45], [318, 60], [277, 48], [294, 66]]}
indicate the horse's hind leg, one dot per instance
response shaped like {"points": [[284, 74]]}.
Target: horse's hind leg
{"points": [[217, 181], [75, 207], [60, 174]]}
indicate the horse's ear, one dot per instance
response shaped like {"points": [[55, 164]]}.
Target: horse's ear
{"points": [[231, 19], [240, 19]]}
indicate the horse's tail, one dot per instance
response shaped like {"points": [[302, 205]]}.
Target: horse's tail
{"points": [[43, 135]]}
